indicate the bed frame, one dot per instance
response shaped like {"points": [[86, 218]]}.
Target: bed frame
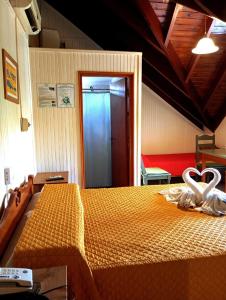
{"points": [[18, 201]]}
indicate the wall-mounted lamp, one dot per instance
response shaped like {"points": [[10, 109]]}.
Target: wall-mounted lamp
{"points": [[205, 45]]}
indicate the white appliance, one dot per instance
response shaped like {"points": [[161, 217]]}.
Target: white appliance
{"points": [[15, 280], [28, 13]]}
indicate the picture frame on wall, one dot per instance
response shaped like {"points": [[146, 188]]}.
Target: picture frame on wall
{"points": [[10, 77]]}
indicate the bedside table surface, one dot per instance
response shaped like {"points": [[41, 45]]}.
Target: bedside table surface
{"points": [[53, 278], [41, 177]]}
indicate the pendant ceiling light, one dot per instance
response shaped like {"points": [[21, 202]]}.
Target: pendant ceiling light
{"points": [[205, 45]]}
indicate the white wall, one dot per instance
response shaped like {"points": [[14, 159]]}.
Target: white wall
{"points": [[164, 130], [16, 147], [220, 134], [57, 130]]}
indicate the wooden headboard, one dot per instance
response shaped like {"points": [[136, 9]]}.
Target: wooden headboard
{"points": [[12, 214]]}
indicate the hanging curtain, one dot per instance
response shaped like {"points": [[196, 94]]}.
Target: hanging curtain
{"points": [[97, 139]]}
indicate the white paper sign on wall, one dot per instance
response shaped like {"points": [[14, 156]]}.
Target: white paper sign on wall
{"points": [[65, 95], [47, 95]]}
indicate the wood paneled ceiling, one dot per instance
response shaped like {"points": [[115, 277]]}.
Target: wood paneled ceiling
{"points": [[165, 32]]}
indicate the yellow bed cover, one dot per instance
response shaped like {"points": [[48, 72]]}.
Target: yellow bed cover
{"points": [[137, 245]]}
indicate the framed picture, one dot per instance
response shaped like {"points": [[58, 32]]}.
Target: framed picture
{"points": [[10, 77]]}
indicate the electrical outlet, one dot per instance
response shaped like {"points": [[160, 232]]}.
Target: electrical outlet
{"points": [[7, 176]]}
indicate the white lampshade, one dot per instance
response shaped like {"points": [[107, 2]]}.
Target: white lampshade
{"points": [[205, 46]]}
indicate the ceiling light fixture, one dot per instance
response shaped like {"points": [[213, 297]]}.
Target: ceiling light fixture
{"points": [[205, 45]]}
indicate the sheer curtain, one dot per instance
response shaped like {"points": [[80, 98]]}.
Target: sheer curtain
{"points": [[97, 139]]}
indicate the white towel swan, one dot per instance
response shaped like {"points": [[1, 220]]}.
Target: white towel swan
{"points": [[185, 196], [214, 200], [204, 198], [196, 188]]}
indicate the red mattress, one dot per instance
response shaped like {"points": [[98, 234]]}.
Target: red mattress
{"points": [[172, 163]]}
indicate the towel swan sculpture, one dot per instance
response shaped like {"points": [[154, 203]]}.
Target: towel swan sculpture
{"points": [[203, 198], [214, 200], [194, 186], [185, 196]]}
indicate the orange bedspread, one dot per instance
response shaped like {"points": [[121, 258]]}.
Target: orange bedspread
{"points": [[54, 236], [139, 246]]}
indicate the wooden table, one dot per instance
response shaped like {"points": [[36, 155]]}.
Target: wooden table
{"points": [[216, 155], [40, 179], [55, 279]]}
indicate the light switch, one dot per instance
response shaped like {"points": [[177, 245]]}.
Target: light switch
{"points": [[7, 176]]}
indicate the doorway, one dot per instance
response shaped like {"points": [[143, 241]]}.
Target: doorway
{"points": [[106, 110]]}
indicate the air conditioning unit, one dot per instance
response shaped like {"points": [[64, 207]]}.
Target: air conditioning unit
{"points": [[28, 13]]}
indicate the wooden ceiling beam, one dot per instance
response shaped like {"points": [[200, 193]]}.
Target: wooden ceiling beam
{"points": [[191, 91], [161, 64], [215, 9], [145, 59], [177, 8], [172, 56], [171, 100], [155, 26], [166, 86], [133, 21], [195, 58], [216, 82], [147, 11]]}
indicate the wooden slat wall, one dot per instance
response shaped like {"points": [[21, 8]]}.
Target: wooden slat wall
{"points": [[164, 130], [57, 130], [16, 147]]}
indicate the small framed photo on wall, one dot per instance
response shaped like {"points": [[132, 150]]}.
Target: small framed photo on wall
{"points": [[10, 77]]}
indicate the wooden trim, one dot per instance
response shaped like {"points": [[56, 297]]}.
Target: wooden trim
{"points": [[131, 118], [131, 128], [150, 17], [177, 8], [12, 214], [80, 74]]}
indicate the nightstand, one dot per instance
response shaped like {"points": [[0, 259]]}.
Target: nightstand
{"points": [[54, 280], [40, 179]]}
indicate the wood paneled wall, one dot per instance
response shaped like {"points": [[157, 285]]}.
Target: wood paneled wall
{"points": [[164, 130], [57, 130], [16, 147]]}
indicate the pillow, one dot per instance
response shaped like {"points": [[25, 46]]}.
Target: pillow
{"points": [[7, 257]]}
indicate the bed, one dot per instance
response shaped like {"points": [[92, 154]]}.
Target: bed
{"points": [[175, 164], [125, 243]]}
